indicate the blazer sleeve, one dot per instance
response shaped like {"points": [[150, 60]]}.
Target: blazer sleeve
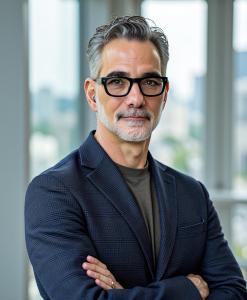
{"points": [[57, 244], [219, 267]]}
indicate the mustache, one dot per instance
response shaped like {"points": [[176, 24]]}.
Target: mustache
{"points": [[134, 112]]}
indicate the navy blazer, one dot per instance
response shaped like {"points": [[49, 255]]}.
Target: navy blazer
{"points": [[83, 206]]}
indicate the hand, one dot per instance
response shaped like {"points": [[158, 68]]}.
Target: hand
{"points": [[103, 277], [200, 284]]}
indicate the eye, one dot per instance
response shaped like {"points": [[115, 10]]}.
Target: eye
{"points": [[152, 82], [115, 81]]}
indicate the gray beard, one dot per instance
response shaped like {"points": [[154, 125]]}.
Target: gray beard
{"points": [[135, 131]]}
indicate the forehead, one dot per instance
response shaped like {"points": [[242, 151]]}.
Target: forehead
{"points": [[130, 56]]}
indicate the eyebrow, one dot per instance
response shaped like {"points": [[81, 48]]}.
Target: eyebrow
{"points": [[125, 74], [117, 74], [151, 74]]}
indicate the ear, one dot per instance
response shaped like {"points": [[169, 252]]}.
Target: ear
{"points": [[167, 87], [90, 91]]}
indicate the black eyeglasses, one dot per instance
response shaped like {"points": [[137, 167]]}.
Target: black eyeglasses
{"points": [[118, 86]]}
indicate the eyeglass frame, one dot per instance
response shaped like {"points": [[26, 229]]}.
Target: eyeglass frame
{"points": [[103, 81]]}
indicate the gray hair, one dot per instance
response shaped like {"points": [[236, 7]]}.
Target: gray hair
{"points": [[131, 28]]}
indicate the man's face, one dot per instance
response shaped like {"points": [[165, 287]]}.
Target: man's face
{"points": [[132, 117]]}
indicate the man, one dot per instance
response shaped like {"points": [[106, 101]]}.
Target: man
{"points": [[111, 222]]}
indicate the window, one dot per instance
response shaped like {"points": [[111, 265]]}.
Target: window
{"points": [[178, 139], [54, 79], [240, 130], [239, 234], [54, 85], [240, 93]]}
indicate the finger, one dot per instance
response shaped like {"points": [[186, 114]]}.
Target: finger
{"points": [[197, 279], [95, 261], [106, 280], [201, 285], [96, 268], [205, 292], [102, 284], [202, 282]]}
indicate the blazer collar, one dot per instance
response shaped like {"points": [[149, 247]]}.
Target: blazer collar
{"points": [[165, 187], [91, 153]]}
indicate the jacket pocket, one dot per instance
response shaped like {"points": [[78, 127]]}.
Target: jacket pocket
{"points": [[193, 229]]}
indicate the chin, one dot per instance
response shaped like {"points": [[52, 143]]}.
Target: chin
{"points": [[134, 135]]}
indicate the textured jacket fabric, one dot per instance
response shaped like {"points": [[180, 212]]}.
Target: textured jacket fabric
{"points": [[82, 206]]}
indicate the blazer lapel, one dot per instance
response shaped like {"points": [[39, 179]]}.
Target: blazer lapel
{"points": [[166, 196], [109, 181]]}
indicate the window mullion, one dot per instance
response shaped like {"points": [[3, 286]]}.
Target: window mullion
{"points": [[219, 102]]}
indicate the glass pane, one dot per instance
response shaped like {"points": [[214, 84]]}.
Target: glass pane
{"points": [[240, 89], [178, 139], [54, 85], [239, 235], [54, 79]]}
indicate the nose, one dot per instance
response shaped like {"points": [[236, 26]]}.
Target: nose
{"points": [[135, 97]]}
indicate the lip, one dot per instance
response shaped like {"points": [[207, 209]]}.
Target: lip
{"points": [[135, 118]]}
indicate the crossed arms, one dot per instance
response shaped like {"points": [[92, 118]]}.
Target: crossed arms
{"points": [[105, 279], [58, 244]]}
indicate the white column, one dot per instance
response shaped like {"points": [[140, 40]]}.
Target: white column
{"points": [[219, 105], [219, 101], [13, 149]]}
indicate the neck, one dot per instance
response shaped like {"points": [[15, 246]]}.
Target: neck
{"points": [[128, 154]]}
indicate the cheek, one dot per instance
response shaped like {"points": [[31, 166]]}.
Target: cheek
{"points": [[156, 108], [111, 106]]}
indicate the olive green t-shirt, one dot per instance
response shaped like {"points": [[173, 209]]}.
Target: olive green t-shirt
{"points": [[139, 182]]}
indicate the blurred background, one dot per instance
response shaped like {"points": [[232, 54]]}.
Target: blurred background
{"points": [[44, 115]]}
